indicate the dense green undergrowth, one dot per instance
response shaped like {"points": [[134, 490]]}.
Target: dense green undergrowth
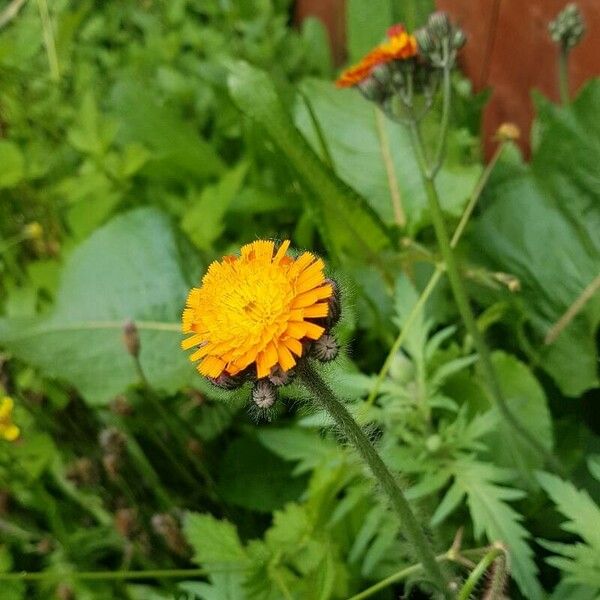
{"points": [[148, 139]]}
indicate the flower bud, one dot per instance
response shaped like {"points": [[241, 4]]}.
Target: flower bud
{"points": [[425, 41], [459, 39], [439, 24], [264, 394], [372, 90], [167, 527], [279, 377], [335, 304], [131, 338], [325, 348], [568, 28], [227, 382], [121, 406], [112, 441]]}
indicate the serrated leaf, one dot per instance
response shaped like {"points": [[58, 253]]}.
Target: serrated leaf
{"points": [[214, 542], [132, 268], [487, 498]]}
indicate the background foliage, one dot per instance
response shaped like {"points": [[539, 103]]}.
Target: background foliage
{"points": [[148, 139]]}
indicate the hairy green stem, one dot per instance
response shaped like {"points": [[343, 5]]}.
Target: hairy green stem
{"points": [[326, 399], [479, 571], [463, 304]]}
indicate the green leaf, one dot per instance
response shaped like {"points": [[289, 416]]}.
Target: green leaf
{"points": [[487, 498], [527, 401], [12, 164], [577, 505], [132, 268], [552, 207], [348, 224], [357, 139], [580, 562], [178, 152], [366, 24], [214, 542], [252, 477], [203, 221]]}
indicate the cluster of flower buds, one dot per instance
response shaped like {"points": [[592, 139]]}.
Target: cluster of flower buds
{"points": [[439, 40], [114, 446], [568, 28]]}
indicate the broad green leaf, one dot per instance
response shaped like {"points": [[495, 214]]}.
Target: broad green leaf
{"points": [[203, 221], [214, 542], [347, 223], [178, 152], [526, 399], [132, 268], [357, 138], [253, 477], [12, 164], [541, 224]]}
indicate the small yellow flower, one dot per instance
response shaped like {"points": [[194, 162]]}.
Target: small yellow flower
{"points": [[8, 430], [255, 310]]}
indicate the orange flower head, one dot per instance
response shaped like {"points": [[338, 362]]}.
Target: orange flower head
{"points": [[255, 310], [399, 45]]}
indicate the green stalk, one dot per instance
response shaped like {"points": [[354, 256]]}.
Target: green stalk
{"points": [[563, 75], [479, 571], [464, 307], [324, 397]]}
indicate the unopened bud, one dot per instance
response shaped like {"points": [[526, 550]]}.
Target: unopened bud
{"points": [[264, 394], [131, 338], [325, 348], [126, 521], [167, 527], [459, 39], [372, 90], [112, 440], [425, 41], [279, 377], [227, 382], [439, 24], [383, 74], [335, 304], [82, 472], [568, 28], [508, 132], [112, 465]]}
